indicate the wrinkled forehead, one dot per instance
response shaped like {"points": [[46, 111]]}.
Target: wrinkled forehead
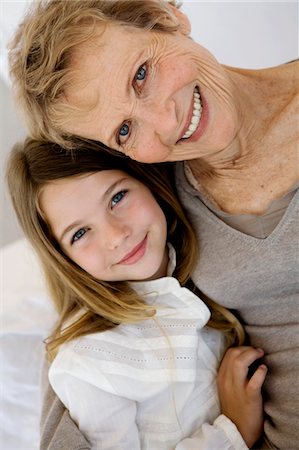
{"points": [[109, 50], [84, 62], [101, 70], [93, 42]]}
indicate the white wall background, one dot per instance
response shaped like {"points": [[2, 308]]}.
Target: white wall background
{"points": [[250, 34]]}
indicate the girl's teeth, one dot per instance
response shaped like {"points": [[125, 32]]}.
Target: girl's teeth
{"points": [[197, 108]]}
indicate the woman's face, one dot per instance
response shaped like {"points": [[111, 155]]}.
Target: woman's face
{"points": [[153, 96], [109, 224]]}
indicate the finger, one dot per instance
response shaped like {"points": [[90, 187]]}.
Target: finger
{"points": [[242, 364], [256, 381], [233, 353], [252, 368], [247, 357]]}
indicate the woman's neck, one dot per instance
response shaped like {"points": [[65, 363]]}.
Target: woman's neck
{"points": [[247, 175]]}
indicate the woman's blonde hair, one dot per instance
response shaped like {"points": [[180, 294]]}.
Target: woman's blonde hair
{"points": [[34, 164], [42, 47]]}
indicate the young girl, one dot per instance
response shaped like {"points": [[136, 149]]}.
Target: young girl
{"points": [[133, 360]]}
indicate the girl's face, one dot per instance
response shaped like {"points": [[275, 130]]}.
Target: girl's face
{"points": [[140, 92], [109, 224]]}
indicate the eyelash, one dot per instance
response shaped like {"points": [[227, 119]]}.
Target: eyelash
{"points": [[127, 124]]}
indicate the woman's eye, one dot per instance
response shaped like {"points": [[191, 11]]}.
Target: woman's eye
{"points": [[139, 79], [117, 198], [124, 129], [78, 235], [123, 133], [141, 73]]}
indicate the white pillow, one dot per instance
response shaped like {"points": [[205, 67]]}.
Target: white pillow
{"points": [[27, 317]]}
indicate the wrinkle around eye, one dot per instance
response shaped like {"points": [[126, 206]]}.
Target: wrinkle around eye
{"points": [[127, 149]]}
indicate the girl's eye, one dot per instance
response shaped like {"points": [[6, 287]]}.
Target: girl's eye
{"points": [[117, 198], [78, 235]]}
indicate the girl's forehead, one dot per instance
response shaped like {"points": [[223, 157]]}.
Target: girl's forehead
{"points": [[57, 194]]}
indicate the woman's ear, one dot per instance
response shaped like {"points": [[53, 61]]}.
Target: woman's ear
{"points": [[185, 25]]}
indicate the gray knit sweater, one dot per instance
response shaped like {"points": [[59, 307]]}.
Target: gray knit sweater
{"points": [[259, 278]]}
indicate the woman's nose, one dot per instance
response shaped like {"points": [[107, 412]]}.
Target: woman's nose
{"points": [[160, 115]]}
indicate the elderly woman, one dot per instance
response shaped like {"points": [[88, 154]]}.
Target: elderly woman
{"points": [[126, 73]]}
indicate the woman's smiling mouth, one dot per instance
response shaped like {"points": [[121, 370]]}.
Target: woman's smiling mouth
{"points": [[196, 115], [133, 256]]}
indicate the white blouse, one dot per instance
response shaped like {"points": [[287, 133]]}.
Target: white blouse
{"points": [[149, 385]]}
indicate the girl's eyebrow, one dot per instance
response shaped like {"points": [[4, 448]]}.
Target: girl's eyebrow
{"points": [[68, 229], [105, 196], [111, 188]]}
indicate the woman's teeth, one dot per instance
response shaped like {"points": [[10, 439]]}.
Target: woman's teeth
{"points": [[197, 109]]}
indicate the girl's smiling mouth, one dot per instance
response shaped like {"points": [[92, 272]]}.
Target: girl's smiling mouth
{"points": [[134, 255]]}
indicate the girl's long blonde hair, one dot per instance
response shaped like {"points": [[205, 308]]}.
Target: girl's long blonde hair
{"points": [[101, 305]]}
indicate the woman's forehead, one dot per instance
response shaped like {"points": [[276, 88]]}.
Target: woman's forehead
{"points": [[105, 62], [107, 55], [109, 37], [103, 70]]}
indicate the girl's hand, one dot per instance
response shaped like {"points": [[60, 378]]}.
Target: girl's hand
{"points": [[240, 397]]}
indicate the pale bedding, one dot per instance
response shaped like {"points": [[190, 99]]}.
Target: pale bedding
{"points": [[26, 317]]}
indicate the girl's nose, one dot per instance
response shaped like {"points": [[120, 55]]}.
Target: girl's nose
{"points": [[115, 233]]}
